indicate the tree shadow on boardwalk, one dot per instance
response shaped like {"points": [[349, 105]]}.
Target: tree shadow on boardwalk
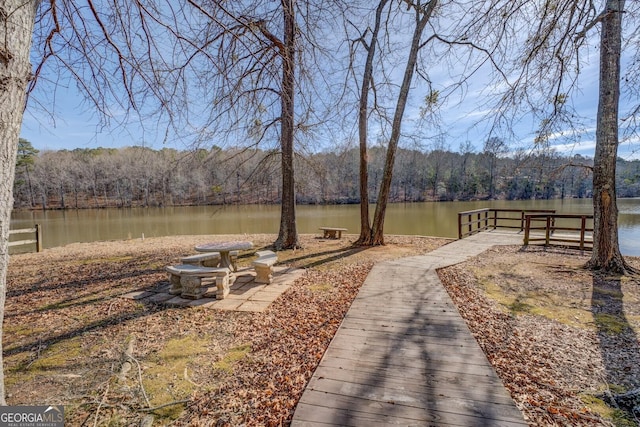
{"points": [[404, 356], [619, 345]]}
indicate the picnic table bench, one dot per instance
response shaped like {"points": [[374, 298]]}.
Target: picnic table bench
{"points": [[332, 232], [264, 266], [210, 259], [187, 280]]}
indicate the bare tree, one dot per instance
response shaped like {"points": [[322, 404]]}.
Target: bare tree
{"points": [[422, 12], [493, 147], [363, 123], [288, 233], [548, 58], [17, 19], [606, 249], [258, 50]]}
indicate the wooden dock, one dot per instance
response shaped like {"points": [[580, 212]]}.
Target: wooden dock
{"points": [[404, 356]]}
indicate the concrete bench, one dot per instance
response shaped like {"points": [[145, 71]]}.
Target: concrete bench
{"points": [[264, 266], [210, 259], [187, 280], [332, 232]]}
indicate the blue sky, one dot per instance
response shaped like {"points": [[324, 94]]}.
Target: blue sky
{"points": [[68, 124]]}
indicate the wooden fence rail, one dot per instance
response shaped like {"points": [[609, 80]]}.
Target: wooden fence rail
{"points": [[580, 237], [36, 230], [475, 221], [540, 226]]}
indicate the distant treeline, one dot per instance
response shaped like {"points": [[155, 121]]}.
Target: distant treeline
{"points": [[137, 176]]}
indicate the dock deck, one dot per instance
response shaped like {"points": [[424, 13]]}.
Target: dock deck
{"points": [[404, 356]]}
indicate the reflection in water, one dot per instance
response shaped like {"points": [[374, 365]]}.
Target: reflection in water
{"points": [[426, 219]]}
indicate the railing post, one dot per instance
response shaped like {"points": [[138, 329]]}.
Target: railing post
{"points": [[526, 231], [521, 221], [583, 225], [38, 238], [470, 225], [547, 231], [459, 225], [495, 218]]}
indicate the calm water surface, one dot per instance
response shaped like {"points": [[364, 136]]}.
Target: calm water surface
{"points": [[427, 219]]}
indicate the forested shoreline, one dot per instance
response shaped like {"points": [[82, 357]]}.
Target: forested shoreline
{"points": [[140, 177]]}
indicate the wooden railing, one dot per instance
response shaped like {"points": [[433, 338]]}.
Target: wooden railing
{"points": [[475, 221], [36, 230], [580, 237]]}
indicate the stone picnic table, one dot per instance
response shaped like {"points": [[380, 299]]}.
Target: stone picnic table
{"points": [[224, 248]]}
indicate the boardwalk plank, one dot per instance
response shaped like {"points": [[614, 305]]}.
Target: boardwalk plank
{"points": [[385, 357], [480, 404], [401, 332], [453, 372], [470, 387], [404, 356], [339, 410], [407, 345]]}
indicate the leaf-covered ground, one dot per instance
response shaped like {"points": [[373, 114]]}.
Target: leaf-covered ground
{"points": [[561, 338], [69, 338]]}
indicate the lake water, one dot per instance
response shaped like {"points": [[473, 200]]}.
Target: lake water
{"points": [[427, 219]]}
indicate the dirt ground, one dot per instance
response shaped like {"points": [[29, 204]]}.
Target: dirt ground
{"points": [[69, 338], [560, 338]]}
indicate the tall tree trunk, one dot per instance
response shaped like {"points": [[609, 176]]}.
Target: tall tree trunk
{"points": [[17, 19], [423, 14], [288, 234], [366, 233], [606, 254]]}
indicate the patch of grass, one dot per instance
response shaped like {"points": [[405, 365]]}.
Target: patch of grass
{"points": [[598, 406], [166, 377], [22, 330], [610, 324], [22, 368], [321, 287], [234, 354], [518, 299], [58, 355], [613, 293], [519, 306], [571, 316]]}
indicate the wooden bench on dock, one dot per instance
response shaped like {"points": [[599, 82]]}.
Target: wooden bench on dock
{"points": [[187, 280], [264, 266], [332, 232]]}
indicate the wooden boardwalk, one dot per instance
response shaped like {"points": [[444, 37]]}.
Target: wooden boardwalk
{"points": [[404, 356]]}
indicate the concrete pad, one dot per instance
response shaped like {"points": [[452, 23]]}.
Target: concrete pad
{"points": [[257, 306], [227, 304], [138, 295], [245, 292], [164, 288], [161, 297], [177, 300], [202, 302]]}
